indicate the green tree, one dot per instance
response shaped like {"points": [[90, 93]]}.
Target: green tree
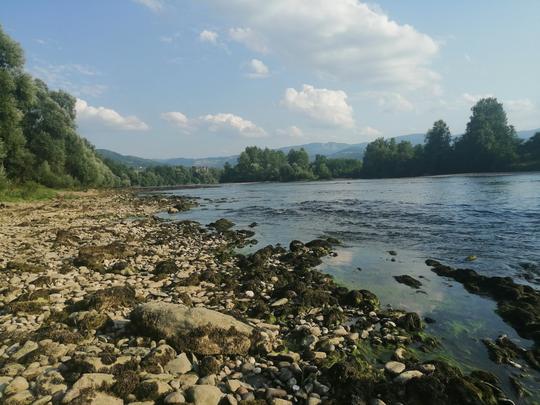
{"points": [[437, 148], [489, 143]]}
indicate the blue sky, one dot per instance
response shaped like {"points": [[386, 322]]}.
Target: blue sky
{"points": [[193, 78]]}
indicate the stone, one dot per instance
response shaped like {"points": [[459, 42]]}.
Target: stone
{"points": [[233, 385], [27, 348], [20, 398], [280, 302], [198, 330], [175, 397], [18, 384], [408, 375], [88, 381], [394, 367], [179, 365], [204, 395], [101, 398], [279, 401]]}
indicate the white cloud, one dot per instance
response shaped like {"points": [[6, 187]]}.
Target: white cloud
{"points": [[227, 121], [346, 39], [221, 122], [474, 98], [323, 105], [370, 132], [258, 69], [248, 38], [108, 117], [208, 36], [390, 101], [520, 106], [74, 78], [292, 132], [155, 5], [177, 118]]}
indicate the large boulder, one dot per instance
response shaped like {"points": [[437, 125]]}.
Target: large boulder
{"points": [[197, 330]]}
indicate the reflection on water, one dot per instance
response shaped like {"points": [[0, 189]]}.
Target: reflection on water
{"points": [[448, 218]]}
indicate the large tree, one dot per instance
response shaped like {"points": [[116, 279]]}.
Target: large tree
{"points": [[489, 143], [437, 148]]}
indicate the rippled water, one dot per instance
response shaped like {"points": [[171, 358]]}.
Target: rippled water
{"points": [[493, 217]]}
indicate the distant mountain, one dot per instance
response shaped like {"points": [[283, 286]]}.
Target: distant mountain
{"points": [[131, 161], [333, 150], [201, 162]]}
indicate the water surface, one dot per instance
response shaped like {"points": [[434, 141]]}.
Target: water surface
{"points": [[493, 217]]}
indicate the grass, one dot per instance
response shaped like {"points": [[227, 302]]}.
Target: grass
{"points": [[29, 192]]}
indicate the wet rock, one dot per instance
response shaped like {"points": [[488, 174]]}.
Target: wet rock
{"points": [[410, 322], [394, 367], [408, 375], [517, 304], [408, 280], [197, 330], [221, 225]]}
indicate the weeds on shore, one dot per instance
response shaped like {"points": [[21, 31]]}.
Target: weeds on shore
{"points": [[30, 191]]}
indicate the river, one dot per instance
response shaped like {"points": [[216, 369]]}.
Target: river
{"points": [[495, 218]]}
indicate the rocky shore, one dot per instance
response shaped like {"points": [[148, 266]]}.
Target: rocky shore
{"points": [[101, 302]]}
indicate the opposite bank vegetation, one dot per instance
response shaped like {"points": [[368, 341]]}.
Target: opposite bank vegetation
{"points": [[101, 302], [40, 147]]}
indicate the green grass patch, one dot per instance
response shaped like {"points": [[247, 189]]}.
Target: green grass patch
{"points": [[27, 192]]}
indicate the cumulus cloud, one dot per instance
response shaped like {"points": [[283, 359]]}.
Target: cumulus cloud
{"points": [[248, 38], [108, 117], [346, 39], [258, 69], [227, 121], [77, 79], [522, 105], [326, 106], [221, 122], [177, 118], [370, 132], [208, 36], [292, 132], [155, 5], [390, 101]]}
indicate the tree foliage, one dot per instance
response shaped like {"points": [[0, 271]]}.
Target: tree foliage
{"points": [[38, 136]]}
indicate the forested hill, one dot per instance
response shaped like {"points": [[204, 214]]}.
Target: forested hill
{"points": [[38, 137]]}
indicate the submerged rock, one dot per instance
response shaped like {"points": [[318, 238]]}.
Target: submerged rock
{"points": [[221, 225], [197, 330], [408, 280], [518, 305]]}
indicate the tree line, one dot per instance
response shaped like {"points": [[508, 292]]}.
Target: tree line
{"points": [[256, 164], [39, 144], [489, 144]]}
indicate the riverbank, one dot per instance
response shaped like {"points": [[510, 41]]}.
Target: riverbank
{"points": [[103, 302]]}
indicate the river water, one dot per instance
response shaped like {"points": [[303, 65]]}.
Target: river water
{"points": [[493, 217]]}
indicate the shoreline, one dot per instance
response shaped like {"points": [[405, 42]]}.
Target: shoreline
{"points": [[77, 321]]}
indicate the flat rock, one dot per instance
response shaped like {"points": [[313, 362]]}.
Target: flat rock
{"points": [[408, 375], [198, 330], [394, 367]]}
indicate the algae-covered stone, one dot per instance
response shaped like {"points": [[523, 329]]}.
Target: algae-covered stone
{"points": [[198, 330]]}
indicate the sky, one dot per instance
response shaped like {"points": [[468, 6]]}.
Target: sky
{"points": [[200, 78]]}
